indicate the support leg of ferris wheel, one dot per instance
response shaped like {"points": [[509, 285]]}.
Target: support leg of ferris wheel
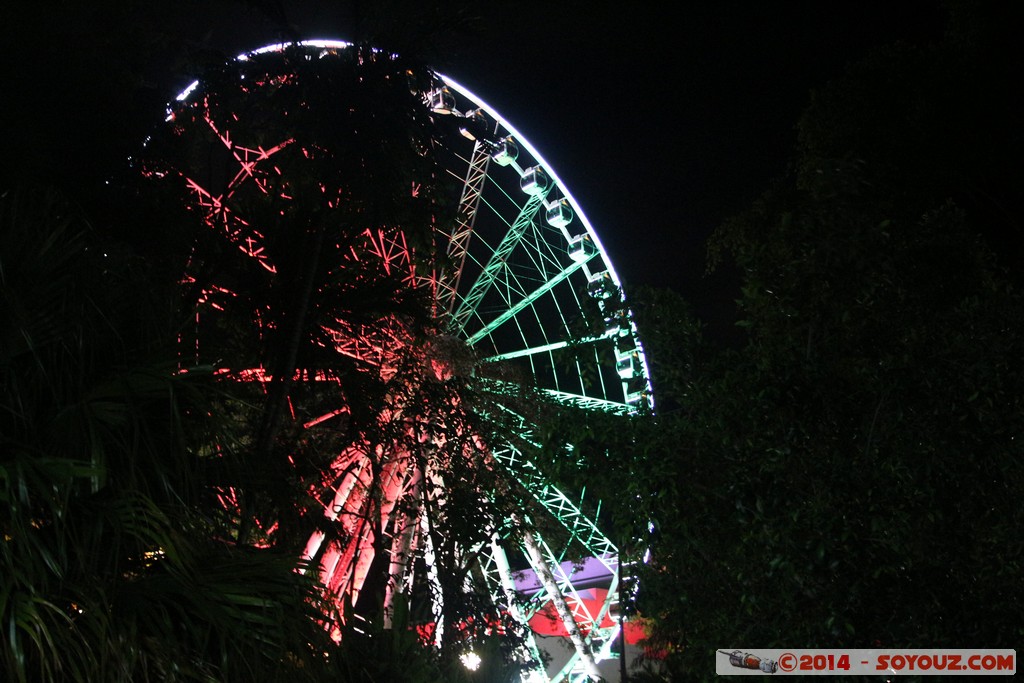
{"points": [[363, 494], [432, 484], [503, 590], [540, 566], [545, 562], [402, 545], [365, 521], [597, 640], [331, 511]]}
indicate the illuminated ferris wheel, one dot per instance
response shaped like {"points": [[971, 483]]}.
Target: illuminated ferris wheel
{"points": [[396, 345]]}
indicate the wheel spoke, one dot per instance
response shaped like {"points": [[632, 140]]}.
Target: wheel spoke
{"points": [[496, 264], [458, 243], [561, 276], [588, 402], [544, 348]]}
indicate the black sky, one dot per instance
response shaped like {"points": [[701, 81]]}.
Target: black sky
{"points": [[665, 121], [661, 119]]}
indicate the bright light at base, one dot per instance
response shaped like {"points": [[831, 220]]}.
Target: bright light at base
{"points": [[471, 660]]}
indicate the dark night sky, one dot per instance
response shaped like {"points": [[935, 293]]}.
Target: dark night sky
{"points": [[662, 122]]}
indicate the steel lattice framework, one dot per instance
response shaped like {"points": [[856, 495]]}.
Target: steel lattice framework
{"points": [[518, 267]]}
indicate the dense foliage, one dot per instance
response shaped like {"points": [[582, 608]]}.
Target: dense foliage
{"points": [[850, 475], [111, 569]]}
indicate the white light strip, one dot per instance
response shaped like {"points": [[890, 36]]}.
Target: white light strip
{"points": [[183, 95]]}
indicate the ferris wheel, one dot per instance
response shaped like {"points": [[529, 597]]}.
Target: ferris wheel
{"points": [[520, 294]]}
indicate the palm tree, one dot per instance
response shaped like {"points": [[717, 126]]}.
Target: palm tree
{"points": [[111, 570]]}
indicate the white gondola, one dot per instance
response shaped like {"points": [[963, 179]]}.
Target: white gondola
{"points": [[474, 125], [627, 363], [535, 181], [601, 285], [582, 248], [559, 214], [505, 152]]}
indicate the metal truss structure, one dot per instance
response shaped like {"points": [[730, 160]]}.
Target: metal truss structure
{"points": [[521, 267]]}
